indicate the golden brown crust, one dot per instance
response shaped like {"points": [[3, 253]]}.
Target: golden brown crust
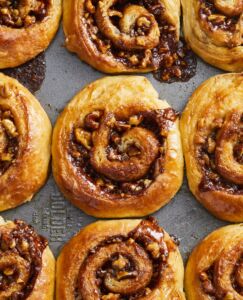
{"points": [[110, 191], [214, 31], [135, 52], [76, 252], [18, 45], [25, 138], [211, 128], [32, 249], [214, 269]]}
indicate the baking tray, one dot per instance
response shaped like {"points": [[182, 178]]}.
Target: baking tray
{"points": [[58, 220]]}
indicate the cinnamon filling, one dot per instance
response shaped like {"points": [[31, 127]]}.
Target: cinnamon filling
{"points": [[125, 267], [121, 155], [8, 140], [213, 176], [22, 13], [140, 37], [21, 251]]}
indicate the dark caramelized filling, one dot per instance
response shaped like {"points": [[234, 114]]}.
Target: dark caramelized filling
{"points": [[9, 143], [31, 74], [122, 266], [20, 244], [22, 13], [171, 60], [215, 18], [157, 123]]}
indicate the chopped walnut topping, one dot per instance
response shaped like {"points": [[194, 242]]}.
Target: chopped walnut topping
{"points": [[203, 276], [217, 18], [135, 120], [143, 21], [154, 249], [229, 296], [24, 246], [8, 271], [124, 274], [134, 59], [6, 157], [83, 137], [147, 58], [211, 145], [120, 263], [92, 120]]}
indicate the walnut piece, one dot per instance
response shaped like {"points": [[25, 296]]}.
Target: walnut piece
{"points": [[83, 137]]}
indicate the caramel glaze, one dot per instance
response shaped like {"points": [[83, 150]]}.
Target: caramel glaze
{"points": [[22, 13], [31, 74], [156, 123], [21, 241], [211, 179], [120, 266], [171, 60], [9, 142]]}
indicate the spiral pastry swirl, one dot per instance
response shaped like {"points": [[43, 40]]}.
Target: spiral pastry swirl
{"points": [[25, 133], [212, 131], [215, 267], [124, 259], [26, 29], [214, 30], [116, 149], [27, 265], [129, 36]]}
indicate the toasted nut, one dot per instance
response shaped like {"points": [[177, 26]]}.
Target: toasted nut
{"points": [[133, 59], [8, 271], [143, 21], [135, 120], [83, 137], [203, 276], [154, 249], [229, 296], [10, 127], [120, 263], [211, 145], [6, 157], [12, 244], [24, 246]]}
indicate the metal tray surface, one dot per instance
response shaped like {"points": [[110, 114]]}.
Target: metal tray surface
{"points": [[58, 220]]}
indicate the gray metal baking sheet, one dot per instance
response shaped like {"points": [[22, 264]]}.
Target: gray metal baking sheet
{"points": [[55, 217]]}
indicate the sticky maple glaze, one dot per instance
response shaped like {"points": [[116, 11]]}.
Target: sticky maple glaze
{"points": [[215, 267], [134, 149], [133, 36], [135, 264], [22, 13], [8, 140], [21, 250]]}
